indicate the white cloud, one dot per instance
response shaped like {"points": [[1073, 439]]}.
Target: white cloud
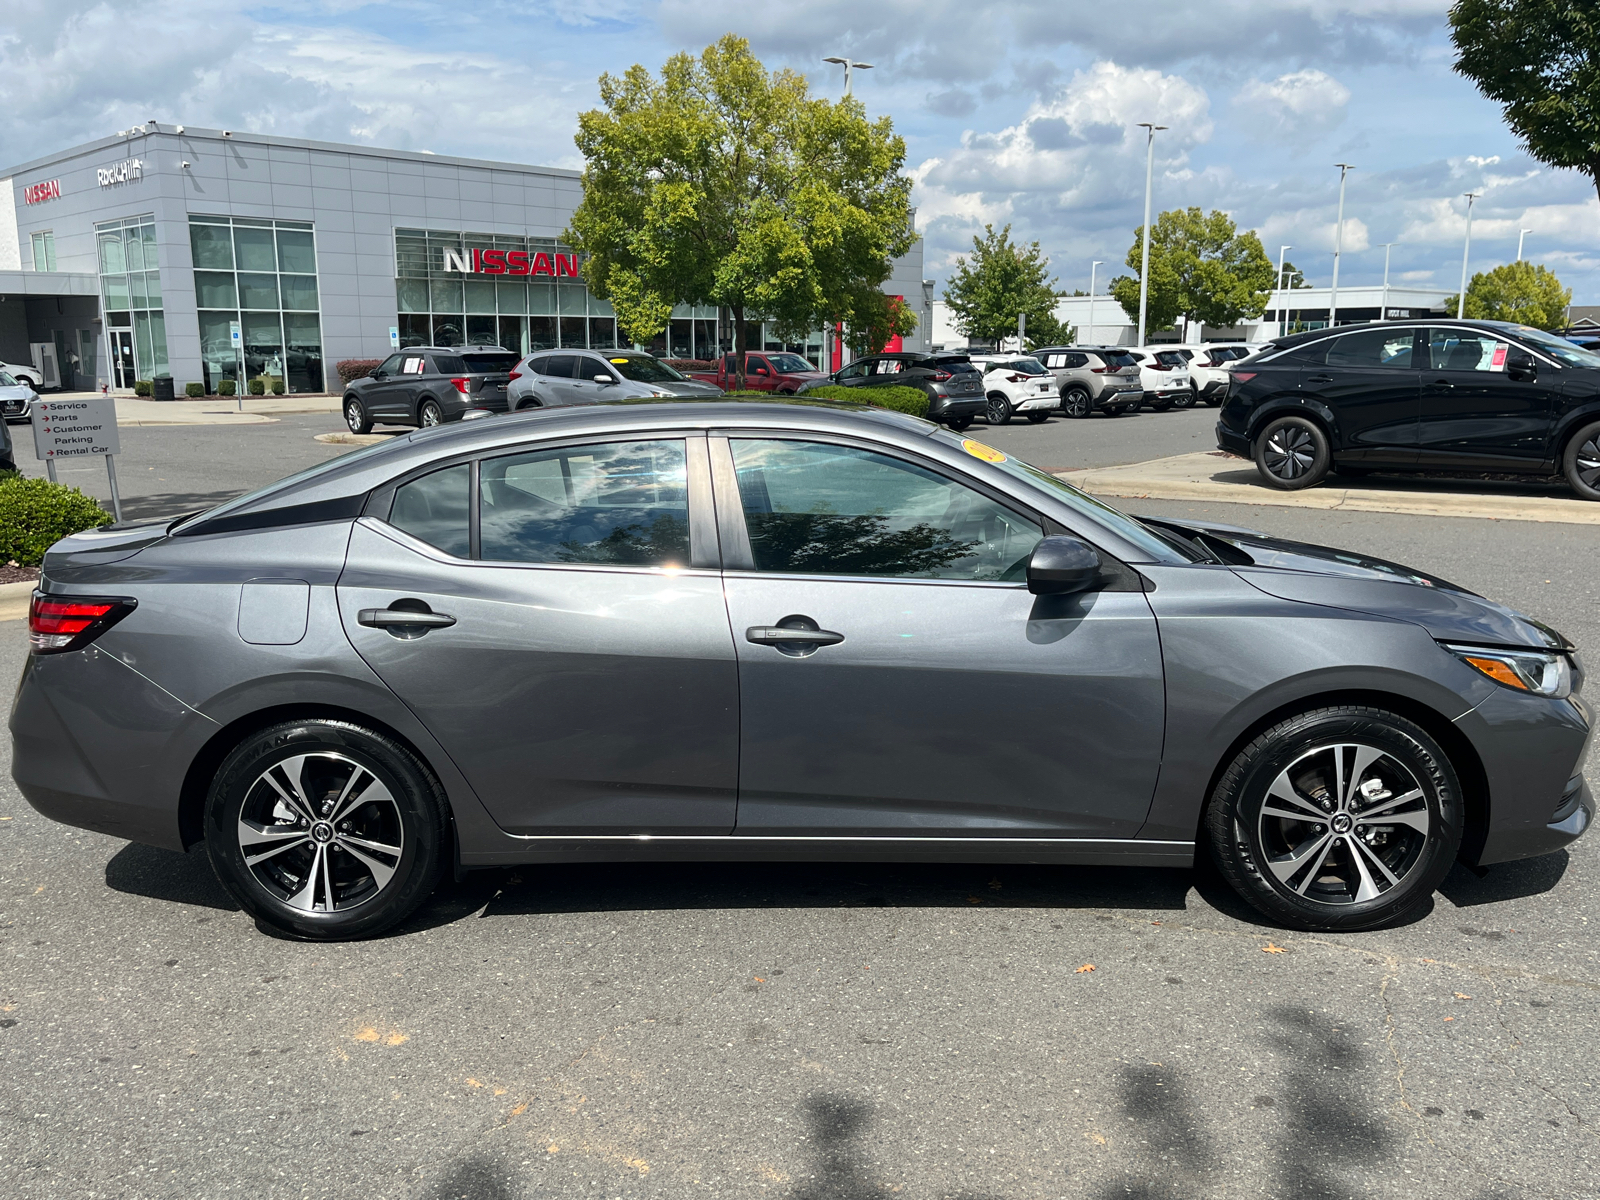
{"points": [[1294, 106]]}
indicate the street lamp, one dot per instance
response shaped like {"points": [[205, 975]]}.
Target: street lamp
{"points": [[1278, 280], [1520, 235], [1338, 249], [1466, 253], [848, 65], [1092, 267], [1144, 265], [1387, 246]]}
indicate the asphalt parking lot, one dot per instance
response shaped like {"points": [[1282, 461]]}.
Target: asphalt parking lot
{"points": [[809, 1032]]}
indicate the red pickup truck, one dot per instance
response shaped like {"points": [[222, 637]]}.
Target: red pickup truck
{"points": [[771, 371]]}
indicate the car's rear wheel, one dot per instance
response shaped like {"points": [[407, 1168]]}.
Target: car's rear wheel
{"points": [[1162, 405], [1075, 403], [1292, 453], [998, 411], [325, 830], [959, 424], [1581, 462], [1187, 400], [1341, 818], [1037, 418], [430, 414], [355, 416]]}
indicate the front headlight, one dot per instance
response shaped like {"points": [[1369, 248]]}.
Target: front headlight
{"points": [[1523, 670]]}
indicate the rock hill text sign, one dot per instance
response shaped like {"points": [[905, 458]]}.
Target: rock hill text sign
{"points": [[511, 262], [125, 171]]}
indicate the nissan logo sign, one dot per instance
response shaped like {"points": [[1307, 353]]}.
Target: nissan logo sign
{"points": [[38, 193], [511, 262]]}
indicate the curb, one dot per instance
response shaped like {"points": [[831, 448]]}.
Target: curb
{"points": [[14, 599]]}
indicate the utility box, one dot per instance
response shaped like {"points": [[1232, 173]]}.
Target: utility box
{"points": [[44, 358], [161, 388]]}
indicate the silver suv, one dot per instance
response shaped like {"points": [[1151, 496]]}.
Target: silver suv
{"points": [[555, 378], [1094, 379]]}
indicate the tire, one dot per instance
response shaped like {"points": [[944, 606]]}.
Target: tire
{"points": [[1037, 418], [1292, 453], [355, 415], [1075, 403], [324, 885], [1188, 400], [1324, 872], [1162, 405], [959, 424], [1581, 462], [429, 414], [999, 409]]}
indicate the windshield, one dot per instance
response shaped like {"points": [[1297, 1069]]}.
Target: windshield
{"points": [[6, 380], [1022, 366], [1158, 548], [1567, 353], [484, 364], [645, 370], [789, 363]]}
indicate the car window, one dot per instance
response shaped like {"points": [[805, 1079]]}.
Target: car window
{"points": [[623, 504], [6, 380], [413, 364], [856, 370], [561, 366], [789, 363], [434, 508], [1022, 366], [589, 367], [818, 509], [644, 370], [448, 364], [486, 362], [756, 366], [888, 366], [1118, 358], [1173, 358], [539, 364], [1372, 348], [390, 365], [1461, 350], [1572, 354]]}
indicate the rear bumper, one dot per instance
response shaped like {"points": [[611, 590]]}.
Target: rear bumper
{"points": [[1233, 443], [1128, 398]]}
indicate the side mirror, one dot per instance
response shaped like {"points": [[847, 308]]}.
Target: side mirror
{"points": [[605, 379], [1522, 366], [1060, 566]]}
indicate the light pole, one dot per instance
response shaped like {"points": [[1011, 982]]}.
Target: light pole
{"points": [[848, 64], [1092, 268], [1466, 253], [1338, 249], [1520, 235], [1144, 265], [1387, 246], [1278, 280]]}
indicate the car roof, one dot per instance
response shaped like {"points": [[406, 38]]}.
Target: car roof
{"points": [[454, 350]]}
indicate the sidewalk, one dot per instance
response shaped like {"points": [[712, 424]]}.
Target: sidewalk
{"points": [[213, 410], [1214, 476]]}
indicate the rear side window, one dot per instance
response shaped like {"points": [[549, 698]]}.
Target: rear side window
{"points": [[560, 366], [434, 508], [622, 504], [1371, 348], [484, 364], [1115, 359], [449, 364]]}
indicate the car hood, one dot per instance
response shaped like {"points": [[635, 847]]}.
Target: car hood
{"points": [[689, 387], [1345, 579]]}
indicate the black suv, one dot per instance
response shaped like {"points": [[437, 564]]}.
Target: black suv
{"points": [[1434, 395], [953, 385], [429, 385]]}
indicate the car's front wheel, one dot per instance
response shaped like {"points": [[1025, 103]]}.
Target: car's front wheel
{"points": [[1186, 399], [1581, 462], [1075, 403], [999, 409], [355, 416], [324, 830], [1341, 818], [1292, 453], [430, 414], [959, 424]]}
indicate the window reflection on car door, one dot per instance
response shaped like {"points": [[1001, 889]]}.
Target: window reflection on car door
{"points": [[1476, 413], [955, 703], [1371, 382]]}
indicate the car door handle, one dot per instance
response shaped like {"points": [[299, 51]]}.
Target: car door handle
{"points": [[381, 618], [1320, 379], [775, 635], [1443, 383]]}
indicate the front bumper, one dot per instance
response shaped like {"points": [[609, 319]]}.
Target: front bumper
{"points": [[1120, 398], [16, 410]]}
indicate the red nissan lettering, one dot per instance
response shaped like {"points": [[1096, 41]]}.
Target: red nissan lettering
{"points": [[516, 262], [494, 262], [541, 264], [567, 264]]}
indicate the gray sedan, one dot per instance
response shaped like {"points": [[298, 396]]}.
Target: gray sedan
{"points": [[556, 378], [763, 631], [16, 398]]}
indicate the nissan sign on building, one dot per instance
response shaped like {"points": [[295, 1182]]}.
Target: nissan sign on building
{"points": [[208, 257]]}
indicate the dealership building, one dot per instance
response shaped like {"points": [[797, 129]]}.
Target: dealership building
{"points": [[208, 255]]}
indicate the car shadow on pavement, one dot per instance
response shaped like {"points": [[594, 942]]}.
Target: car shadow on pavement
{"points": [[167, 875], [1466, 888]]}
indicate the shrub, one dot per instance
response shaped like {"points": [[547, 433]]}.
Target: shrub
{"points": [[142, 387], [900, 399], [352, 369], [227, 387], [35, 514], [277, 387], [258, 387], [194, 390]]}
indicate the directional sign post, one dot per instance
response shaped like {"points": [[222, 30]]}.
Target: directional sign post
{"points": [[79, 429]]}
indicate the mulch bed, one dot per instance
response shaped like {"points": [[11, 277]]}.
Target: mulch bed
{"points": [[11, 573]]}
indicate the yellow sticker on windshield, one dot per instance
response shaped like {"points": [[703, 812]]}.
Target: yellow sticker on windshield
{"points": [[619, 360], [979, 450]]}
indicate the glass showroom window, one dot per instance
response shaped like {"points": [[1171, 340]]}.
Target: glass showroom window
{"points": [[130, 290], [44, 250], [261, 275], [520, 312]]}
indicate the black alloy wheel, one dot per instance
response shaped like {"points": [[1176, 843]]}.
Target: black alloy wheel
{"points": [[324, 830], [430, 414], [1292, 453], [998, 410], [1581, 462], [1075, 403], [1342, 818], [355, 416]]}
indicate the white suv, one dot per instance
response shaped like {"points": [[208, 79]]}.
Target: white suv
{"points": [[1016, 383], [1208, 376], [1164, 371]]}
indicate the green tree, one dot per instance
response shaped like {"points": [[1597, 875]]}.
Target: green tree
{"points": [[1002, 280], [1201, 267], [1050, 332], [1523, 292], [1539, 59], [723, 183]]}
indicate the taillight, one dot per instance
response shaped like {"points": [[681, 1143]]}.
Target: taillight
{"points": [[1104, 370], [59, 623], [940, 377], [1015, 378], [464, 386], [1243, 376], [1202, 362], [515, 374]]}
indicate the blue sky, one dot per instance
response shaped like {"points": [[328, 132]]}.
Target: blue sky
{"points": [[1019, 112]]}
